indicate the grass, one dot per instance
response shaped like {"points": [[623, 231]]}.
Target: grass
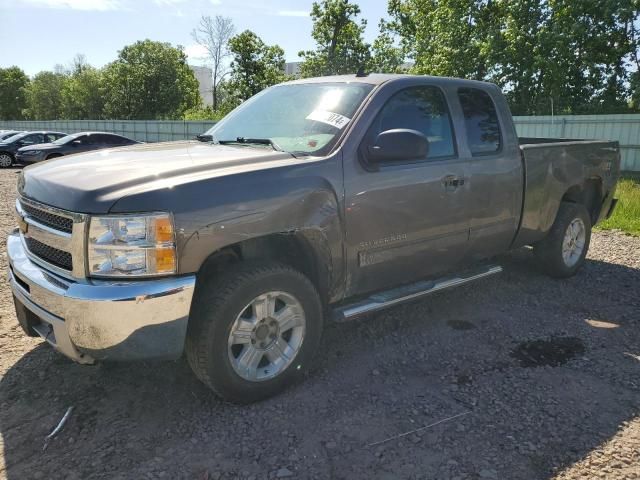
{"points": [[626, 216]]}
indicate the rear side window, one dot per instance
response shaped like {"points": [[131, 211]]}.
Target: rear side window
{"points": [[101, 139], [481, 121], [418, 108], [116, 140]]}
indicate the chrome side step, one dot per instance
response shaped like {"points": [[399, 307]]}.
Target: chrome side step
{"points": [[406, 293]]}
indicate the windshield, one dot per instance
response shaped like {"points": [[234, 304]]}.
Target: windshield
{"points": [[298, 118], [5, 135], [15, 137], [65, 139]]}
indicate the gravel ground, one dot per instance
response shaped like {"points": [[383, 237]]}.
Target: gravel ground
{"points": [[542, 373]]}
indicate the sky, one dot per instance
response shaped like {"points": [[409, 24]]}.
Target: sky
{"points": [[38, 34]]}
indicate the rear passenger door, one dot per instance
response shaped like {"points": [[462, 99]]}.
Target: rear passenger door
{"points": [[496, 176], [406, 220]]}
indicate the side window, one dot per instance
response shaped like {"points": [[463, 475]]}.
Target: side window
{"points": [[91, 139], [481, 121], [116, 140], [50, 137], [101, 139], [418, 108], [34, 139]]}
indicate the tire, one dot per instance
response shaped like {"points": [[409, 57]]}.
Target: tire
{"points": [[6, 160], [562, 252], [234, 302]]}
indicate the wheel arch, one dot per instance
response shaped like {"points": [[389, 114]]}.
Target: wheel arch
{"points": [[589, 193], [304, 250]]}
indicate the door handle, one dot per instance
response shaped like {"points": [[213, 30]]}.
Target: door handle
{"points": [[452, 182]]}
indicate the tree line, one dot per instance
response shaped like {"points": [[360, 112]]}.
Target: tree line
{"points": [[560, 56]]}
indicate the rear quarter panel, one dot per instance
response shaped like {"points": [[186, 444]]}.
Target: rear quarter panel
{"points": [[552, 169]]}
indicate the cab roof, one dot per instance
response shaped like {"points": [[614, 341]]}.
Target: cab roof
{"points": [[380, 78]]}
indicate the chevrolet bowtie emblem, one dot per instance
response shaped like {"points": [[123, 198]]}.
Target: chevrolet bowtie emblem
{"points": [[23, 225]]}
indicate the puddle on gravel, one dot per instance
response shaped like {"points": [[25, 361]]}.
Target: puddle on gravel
{"points": [[461, 325], [553, 352]]}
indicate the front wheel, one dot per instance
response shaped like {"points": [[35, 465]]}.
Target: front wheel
{"points": [[253, 330], [563, 250], [6, 160]]}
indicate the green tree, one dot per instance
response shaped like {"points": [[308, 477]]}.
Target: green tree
{"points": [[441, 37], [13, 93], [340, 48], [83, 94], [386, 55], [571, 54], [255, 65], [149, 80], [44, 96], [518, 51]]}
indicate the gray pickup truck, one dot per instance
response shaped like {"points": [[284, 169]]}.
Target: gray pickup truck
{"points": [[317, 199]]}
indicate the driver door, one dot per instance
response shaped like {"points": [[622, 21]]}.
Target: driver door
{"points": [[33, 139], [407, 219]]}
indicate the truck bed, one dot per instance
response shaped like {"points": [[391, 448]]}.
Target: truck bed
{"points": [[551, 167]]}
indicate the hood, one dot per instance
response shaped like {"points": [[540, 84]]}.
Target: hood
{"points": [[92, 182], [40, 146]]}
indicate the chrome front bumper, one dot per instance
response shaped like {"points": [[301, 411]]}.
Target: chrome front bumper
{"points": [[101, 320]]}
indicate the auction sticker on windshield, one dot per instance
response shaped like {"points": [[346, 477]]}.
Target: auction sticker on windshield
{"points": [[330, 118]]}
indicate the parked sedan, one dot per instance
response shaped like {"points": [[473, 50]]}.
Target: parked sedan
{"points": [[74, 143], [9, 146]]}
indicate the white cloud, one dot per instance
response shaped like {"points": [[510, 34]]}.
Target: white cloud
{"points": [[293, 13], [100, 5], [195, 51]]}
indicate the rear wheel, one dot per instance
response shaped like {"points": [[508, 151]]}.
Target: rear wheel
{"points": [[253, 330], [564, 249], [6, 160]]}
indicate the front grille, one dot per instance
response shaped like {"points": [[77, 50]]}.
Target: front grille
{"points": [[49, 219], [49, 254]]}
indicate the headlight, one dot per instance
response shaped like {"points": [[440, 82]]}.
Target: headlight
{"points": [[131, 245]]}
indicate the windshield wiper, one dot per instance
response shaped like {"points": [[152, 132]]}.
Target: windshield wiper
{"points": [[252, 141]]}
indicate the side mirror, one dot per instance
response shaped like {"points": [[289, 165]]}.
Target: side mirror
{"points": [[75, 143], [203, 137], [399, 144]]}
